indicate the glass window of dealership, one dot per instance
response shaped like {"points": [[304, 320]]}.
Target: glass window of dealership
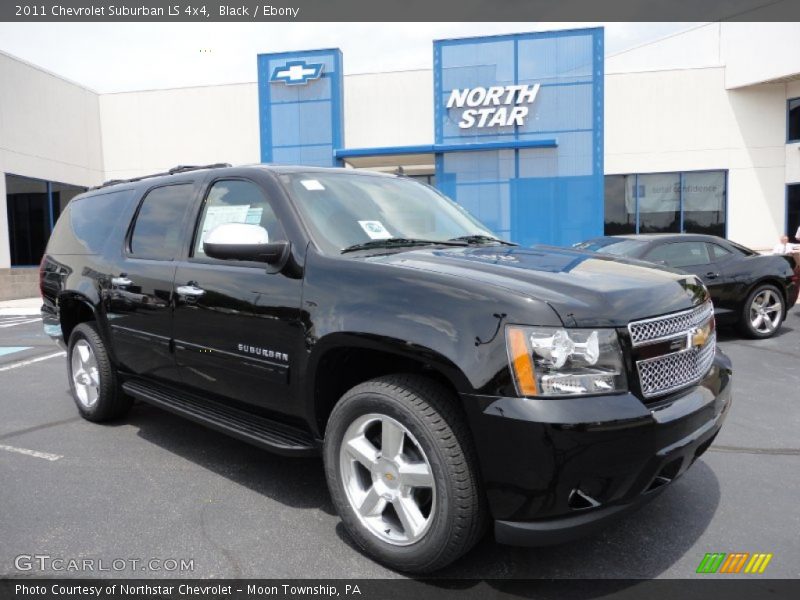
{"points": [[33, 206]]}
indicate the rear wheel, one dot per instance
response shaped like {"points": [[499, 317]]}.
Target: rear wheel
{"points": [[763, 312], [402, 473], [92, 377]]}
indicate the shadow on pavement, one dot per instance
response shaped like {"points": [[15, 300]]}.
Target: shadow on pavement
{"points": [[296, 482]]}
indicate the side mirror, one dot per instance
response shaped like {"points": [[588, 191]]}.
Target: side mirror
{"points": [[242, 241]]}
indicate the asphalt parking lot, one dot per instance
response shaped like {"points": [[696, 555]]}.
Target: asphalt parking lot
{"points": [[156, 486]]}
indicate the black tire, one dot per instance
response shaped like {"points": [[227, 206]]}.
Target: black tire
{"points": [[432, 416], [111, 402], [745, 323]]}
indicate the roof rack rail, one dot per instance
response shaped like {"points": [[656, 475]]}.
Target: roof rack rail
{"points": [[172, 171]]}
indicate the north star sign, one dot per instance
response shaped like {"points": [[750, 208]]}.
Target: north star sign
{"points": [[495, 106]]}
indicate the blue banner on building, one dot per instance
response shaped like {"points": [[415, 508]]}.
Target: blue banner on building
{"points": [[300, 107], [502, 93]]}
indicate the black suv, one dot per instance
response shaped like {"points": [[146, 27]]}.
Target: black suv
{"points": [[446, 376]]}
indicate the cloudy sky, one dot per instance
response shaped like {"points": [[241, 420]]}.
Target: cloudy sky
{"points": [[135, 56]]}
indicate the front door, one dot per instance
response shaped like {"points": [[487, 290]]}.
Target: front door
{"points": [[237, 324], [138, 298]]}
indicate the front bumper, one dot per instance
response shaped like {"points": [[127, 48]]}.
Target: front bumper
{"points": [[555, 470]]}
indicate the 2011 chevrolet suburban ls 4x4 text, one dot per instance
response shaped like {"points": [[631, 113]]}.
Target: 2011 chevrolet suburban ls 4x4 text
{"points": [[447, 377]]}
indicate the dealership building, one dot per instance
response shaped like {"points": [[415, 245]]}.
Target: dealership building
{"points": [[542, 136]]}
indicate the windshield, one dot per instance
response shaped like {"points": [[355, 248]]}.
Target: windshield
{"points": [[345, 210]]}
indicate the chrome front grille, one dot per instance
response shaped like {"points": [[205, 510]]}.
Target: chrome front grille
{"points": [[671, 372], [689, 342], [662, 328]]}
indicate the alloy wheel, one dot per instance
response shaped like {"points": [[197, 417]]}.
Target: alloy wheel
{"points": [[766, 311], [387, 479], [85, 374]]}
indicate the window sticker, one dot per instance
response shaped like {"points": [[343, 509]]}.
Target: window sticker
{"points": [[375, 230], [312, 185], [254, 215], [219, 215]]}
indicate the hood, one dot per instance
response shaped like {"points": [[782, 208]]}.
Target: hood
{"points": [[584, 288]]}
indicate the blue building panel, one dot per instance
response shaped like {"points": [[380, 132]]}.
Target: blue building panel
{"points": [[551, 194], [300, 103]]}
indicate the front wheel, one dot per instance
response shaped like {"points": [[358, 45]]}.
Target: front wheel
{"points": [[763, 312], [402, 473]]}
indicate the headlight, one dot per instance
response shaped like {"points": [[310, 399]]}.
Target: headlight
{"points": [[553, 361]]}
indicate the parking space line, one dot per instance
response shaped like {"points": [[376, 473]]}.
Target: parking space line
{"points": [[14, 324], [24, 363], [34, 453], [16, 312], [6, 350]]}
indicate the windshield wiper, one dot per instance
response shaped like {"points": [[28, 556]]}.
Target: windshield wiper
{"points": [[480, 239], [397, 242]]}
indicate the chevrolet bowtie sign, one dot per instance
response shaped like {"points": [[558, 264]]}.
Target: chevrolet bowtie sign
{"points": [[495, 106], [296, 72]]}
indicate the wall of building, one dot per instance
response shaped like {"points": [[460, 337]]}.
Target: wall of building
{"points": [[755, 53], [49, 129], [685, 120], [151, 131], [402, 103]]}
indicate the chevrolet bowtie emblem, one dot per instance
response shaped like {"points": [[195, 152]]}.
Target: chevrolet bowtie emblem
{"points": [[389, 477], [698, 336]]}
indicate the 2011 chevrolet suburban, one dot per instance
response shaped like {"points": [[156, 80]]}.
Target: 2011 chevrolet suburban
{"points": [[448, 378]]}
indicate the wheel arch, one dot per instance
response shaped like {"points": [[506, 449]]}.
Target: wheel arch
{"points": [[343, 360], [768, 280]]}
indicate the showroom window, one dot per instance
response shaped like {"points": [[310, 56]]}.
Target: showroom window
{"points": [[690, 202], [793, 120], [33, 206], [793, 211]]}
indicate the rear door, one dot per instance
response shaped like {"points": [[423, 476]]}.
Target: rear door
{"points": [[139, 297], [237, 324]]}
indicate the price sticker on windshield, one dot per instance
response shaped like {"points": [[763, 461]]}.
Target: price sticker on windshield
{"points": [[375, 230]]}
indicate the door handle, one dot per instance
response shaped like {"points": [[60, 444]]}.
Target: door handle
{"points": [[121, 281], [189, 291], [712, 275]]}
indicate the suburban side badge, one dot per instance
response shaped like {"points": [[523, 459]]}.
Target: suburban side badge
{"points": [[263, 352]]}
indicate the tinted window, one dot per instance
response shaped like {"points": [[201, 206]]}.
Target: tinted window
{"points": [[623, 248], [794, 120], [94, 218], [717, 252], [236, 201], [620, 205], [659, 197], [695, 201], [704, 203], [793, 211], [158, 228], [680, 254]]}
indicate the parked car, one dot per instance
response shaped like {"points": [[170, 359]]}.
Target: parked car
{"points": [[447, 377], [749, 289]]}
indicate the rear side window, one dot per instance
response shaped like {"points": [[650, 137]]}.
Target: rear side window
{"points": [[87, 223], [718, 252], [158, 230], [680, 254]]}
